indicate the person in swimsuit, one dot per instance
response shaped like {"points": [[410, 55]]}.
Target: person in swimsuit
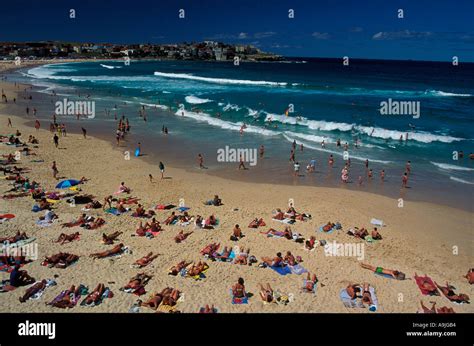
{"points": [[266, 293], [238, 290], [379, 270], [31, 291], [310, 282], [114, 251], [20, 277], [448, 291], [146, 260]]}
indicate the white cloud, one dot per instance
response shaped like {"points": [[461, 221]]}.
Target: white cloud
{"points": [[321, 35], [404, 34], [242, 35]]}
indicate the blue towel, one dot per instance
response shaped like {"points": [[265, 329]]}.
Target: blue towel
{"points": [[298, 269], [328, 232], [244, 300], [282, 270], [388, 276], [181, 209]]}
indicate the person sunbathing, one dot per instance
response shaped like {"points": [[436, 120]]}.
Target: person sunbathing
{"points": [[309, 244], [208, 309], [94, 224], [427, 310], [137, 282], [60, 260], [93, 205], [79, 222], [181, 236], [216, 201], [275, 262], [172, 298], [426, 285], [278, 215], [266, 293], [175, 270], [290, 259], [287, 233], [117, 249], [376, 235], [366, 295], [210, 221], [65, 301], [470, 276], [153, 226], [379, 270], [13, 239], [352, 290], [238, 290], [31, 291], [310, 283], [121, 208], [140, 211], [146, 260], [155, 300], [449, 293], [242, 257], [358, 233], [329, 226], [96, 295], [20, 277], [445, 310], [291, 211], [198, 221], [225, 253], [44, 204], [255, 223], [236, 233], [67, 238], [197, 269], [109, 239], [170, 219]]}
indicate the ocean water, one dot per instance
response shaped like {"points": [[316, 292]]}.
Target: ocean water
{"points": [[205, 104]]}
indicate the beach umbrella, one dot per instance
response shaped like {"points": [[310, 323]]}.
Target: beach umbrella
{"points": [[67, 183]]}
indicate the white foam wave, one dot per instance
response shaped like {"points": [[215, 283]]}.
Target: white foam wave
{"points": [[196, 100], [110, 67], [461, 180], [218, 80], [153, 105], [449, 167]]}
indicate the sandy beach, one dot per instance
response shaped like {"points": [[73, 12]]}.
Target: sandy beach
{"points": [[420, 237]]}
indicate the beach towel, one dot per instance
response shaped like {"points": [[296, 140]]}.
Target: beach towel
{"points": [[419, 282], [164, 207], [228, 259], [114, 211], [83, 290], [377, 222], [388, 276], [6, 287], [238, 301], [37, 295], [274, 234], [298, 269], [375, 303], [44, 223], [285, 221], [183, 209], [282, 270], [348, 302]]}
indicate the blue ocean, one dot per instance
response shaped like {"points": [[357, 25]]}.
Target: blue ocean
{"points": [[205, 105]]}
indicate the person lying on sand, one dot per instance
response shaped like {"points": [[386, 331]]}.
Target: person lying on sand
{"points": [[210, 249], [310, 243], [20, 277], [366, 295], [67, 238], [352, 290], [225, 253], [238, 290], [117, 249], [449, 293], [216, 201], [79, 222], [470, 276], [175, 270], [155, 300], [181, 236], [141, 212], [275, 262], [288, 233], [44, 204], [138, 281], [31, 291], [65, 301], [434, 310], [13, 239], [109, 239], [172, 298], [379, 270], [93, 205], [266, 293], [256, 223], [94, 224], [60, 260], [96, 295], [358, 233], [310, 283], [242, 257], [170, 219], [121, 208], [376, 235], [427, 285], [146, 260], [329, 226], [197, 269]]}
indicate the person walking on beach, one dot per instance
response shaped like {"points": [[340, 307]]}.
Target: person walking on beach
{"points": [[292, 156], [56, 140], [241, 163], [382, 175], [37, 125], [404, 179], [262, 151], [55, 170], [408, 167], [200, 161], [84, 132], [150, 177], [10, 123], [162, 169], [296, 168]]}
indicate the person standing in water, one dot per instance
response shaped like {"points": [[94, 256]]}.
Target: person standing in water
{"points": [[262, 151], [200, 160], [241, 163], [382, 175], [162, 169], [404, 179], [331, 160], [84, 132]]}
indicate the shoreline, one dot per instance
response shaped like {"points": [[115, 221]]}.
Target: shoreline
{"points": [[417, 238]]}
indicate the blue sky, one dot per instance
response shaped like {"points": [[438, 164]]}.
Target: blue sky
{"points": [[430, 29]]}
